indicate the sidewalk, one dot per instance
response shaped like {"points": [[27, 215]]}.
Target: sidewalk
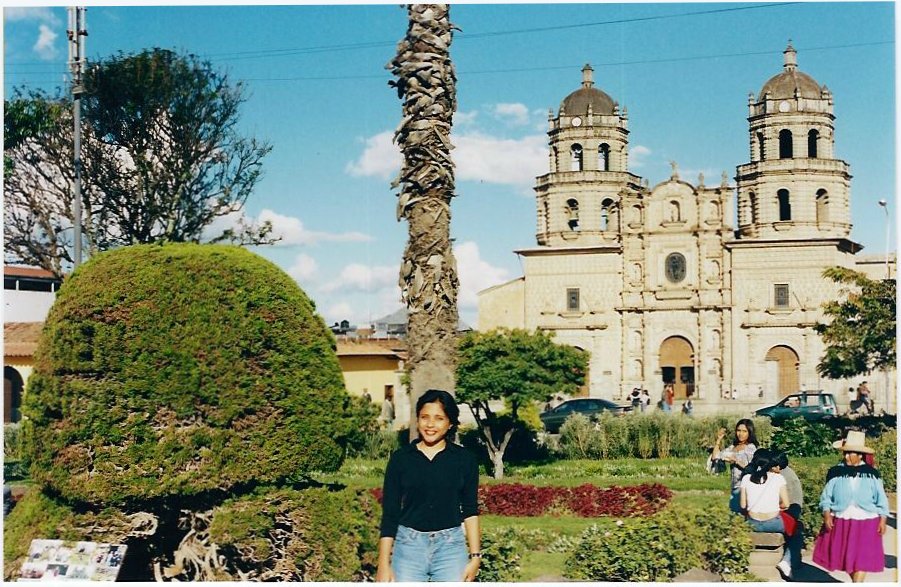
{"points": [[810, 572]]}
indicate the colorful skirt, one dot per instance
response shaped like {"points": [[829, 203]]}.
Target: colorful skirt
{"points": [[851, 546]]}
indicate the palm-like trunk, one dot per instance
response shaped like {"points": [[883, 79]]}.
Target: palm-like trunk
{"points": [[426, 83]]}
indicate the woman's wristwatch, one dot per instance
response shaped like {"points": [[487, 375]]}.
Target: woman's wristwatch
{"points": [[473, 555]]}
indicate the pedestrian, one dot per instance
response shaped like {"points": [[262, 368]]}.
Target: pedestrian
{"points": [[366, 395], [387, 415], [688, 408], [737, 455], [666, 400], [635, 398], [855, 513], [863, 397], [763, 495], [645, 399], [794, 542], [430, 495]]}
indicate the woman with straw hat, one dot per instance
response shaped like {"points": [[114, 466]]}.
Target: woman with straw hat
{"points": [[855, 510]]}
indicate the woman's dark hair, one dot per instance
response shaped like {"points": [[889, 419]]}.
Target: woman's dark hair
{"points": [[752, 436], [448, 403], [780, 459], [761, 463]]}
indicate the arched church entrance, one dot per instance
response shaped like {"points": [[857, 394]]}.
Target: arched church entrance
{"points": [[677, 366], [12, 394], [782, 370]]}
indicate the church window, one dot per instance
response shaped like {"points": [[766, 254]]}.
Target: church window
{"points": [[780, 295], [822, 206], [604, 157], [785, 144], [785, 207], [576, 152], [675, 267], [554, 160], [572, 213], [760, 145], [812, 138], [752, 200], [572, 299], [608, 215]]}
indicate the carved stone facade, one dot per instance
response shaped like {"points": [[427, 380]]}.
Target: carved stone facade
{"points": [[657, 282]]}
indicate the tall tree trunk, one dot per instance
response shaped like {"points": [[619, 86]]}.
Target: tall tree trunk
{"points": [[426, 83]]}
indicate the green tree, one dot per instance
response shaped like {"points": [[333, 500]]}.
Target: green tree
{"points": [[426, 83], [516, 366], [860, 338], [169, 378], [162, 160]]}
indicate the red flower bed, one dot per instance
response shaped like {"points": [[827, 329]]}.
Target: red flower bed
{"points": [[587, 501]]}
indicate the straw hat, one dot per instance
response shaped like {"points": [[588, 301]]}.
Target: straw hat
{"points": [[854, 442]]}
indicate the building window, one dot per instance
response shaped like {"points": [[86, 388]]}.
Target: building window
{"points": [[675, 267], [576, 152], [785, 206], [572, 299], [785, 144], [812, 138], [608, 215], [760, 146], [822, 207], [780, 295], [752, 199], [572, 214], [604, 157]]}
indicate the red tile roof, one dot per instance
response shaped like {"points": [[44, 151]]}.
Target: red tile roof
{"points": [[21, 271], [20, 339]]}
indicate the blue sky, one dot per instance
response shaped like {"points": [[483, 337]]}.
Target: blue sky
{"points": [[317, 90]]}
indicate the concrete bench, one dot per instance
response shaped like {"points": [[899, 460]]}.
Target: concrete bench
{"points": [[767, 548]]}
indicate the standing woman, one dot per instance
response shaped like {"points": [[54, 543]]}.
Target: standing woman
{"points": [[855, 509], [738, 455], [430, 496]]}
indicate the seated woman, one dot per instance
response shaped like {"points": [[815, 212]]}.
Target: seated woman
{"points": [[763, 495], [738, 455]]}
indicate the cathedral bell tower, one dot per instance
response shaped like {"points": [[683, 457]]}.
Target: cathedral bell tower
{"points": [[580, 200], [794, 187]]}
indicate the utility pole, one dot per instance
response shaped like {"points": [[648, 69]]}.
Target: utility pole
{"points": [[77, 32]]}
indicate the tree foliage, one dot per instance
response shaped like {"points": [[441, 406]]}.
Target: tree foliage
{"points": [[861, 336], [181, 370], [162, 160], [519, 367]]}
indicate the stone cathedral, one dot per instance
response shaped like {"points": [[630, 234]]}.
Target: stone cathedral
{"points": [[659, 284]]}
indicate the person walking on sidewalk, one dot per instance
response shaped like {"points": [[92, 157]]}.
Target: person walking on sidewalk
{"points": [[855, 513]]}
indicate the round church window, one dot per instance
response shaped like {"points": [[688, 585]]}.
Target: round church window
{"points": [[675, 267]]}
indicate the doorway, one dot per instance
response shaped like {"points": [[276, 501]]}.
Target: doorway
{"points": [[783, 362], [677, 366]]}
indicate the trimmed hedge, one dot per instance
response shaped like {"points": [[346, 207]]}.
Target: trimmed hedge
{"points": [[310, 535], [181, 369], [645, 436], [662, 546]]}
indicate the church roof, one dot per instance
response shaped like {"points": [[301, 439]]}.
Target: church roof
{"points": [[784, 85], [578, 101]]}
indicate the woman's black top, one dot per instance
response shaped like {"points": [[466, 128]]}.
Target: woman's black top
{"points": [[429, 495]]}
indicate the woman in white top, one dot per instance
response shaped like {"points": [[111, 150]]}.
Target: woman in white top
{"points": [[764, 494]]}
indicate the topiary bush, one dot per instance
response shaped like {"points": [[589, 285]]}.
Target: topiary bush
{"points": [[180, 370], [288, 535]]}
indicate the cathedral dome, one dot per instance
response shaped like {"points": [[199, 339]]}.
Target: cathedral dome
{"points": [[785, 84], [578, 101]]}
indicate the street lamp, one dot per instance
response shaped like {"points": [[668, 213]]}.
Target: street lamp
{"points": [[884, 205]]}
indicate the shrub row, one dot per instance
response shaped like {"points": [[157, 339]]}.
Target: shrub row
{"points": [[587, 501], [660, 547], [644, 436]]}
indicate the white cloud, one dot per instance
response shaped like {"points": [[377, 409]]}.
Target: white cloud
{"points": [[512, 113], [303, 269], [638, 156], [475, 273], [338, 312], [465, 118], [380, 158], [44, 46], [42, 14], [359, 277], [481, 157], [291, 230]]}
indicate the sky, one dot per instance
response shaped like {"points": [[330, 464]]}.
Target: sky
{"points": [[317, 90]]}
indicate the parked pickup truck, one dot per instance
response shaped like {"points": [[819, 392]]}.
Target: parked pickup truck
{"points": [[810, 405]]}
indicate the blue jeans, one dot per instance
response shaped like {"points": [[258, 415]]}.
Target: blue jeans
{"points": [[429, 556]]}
